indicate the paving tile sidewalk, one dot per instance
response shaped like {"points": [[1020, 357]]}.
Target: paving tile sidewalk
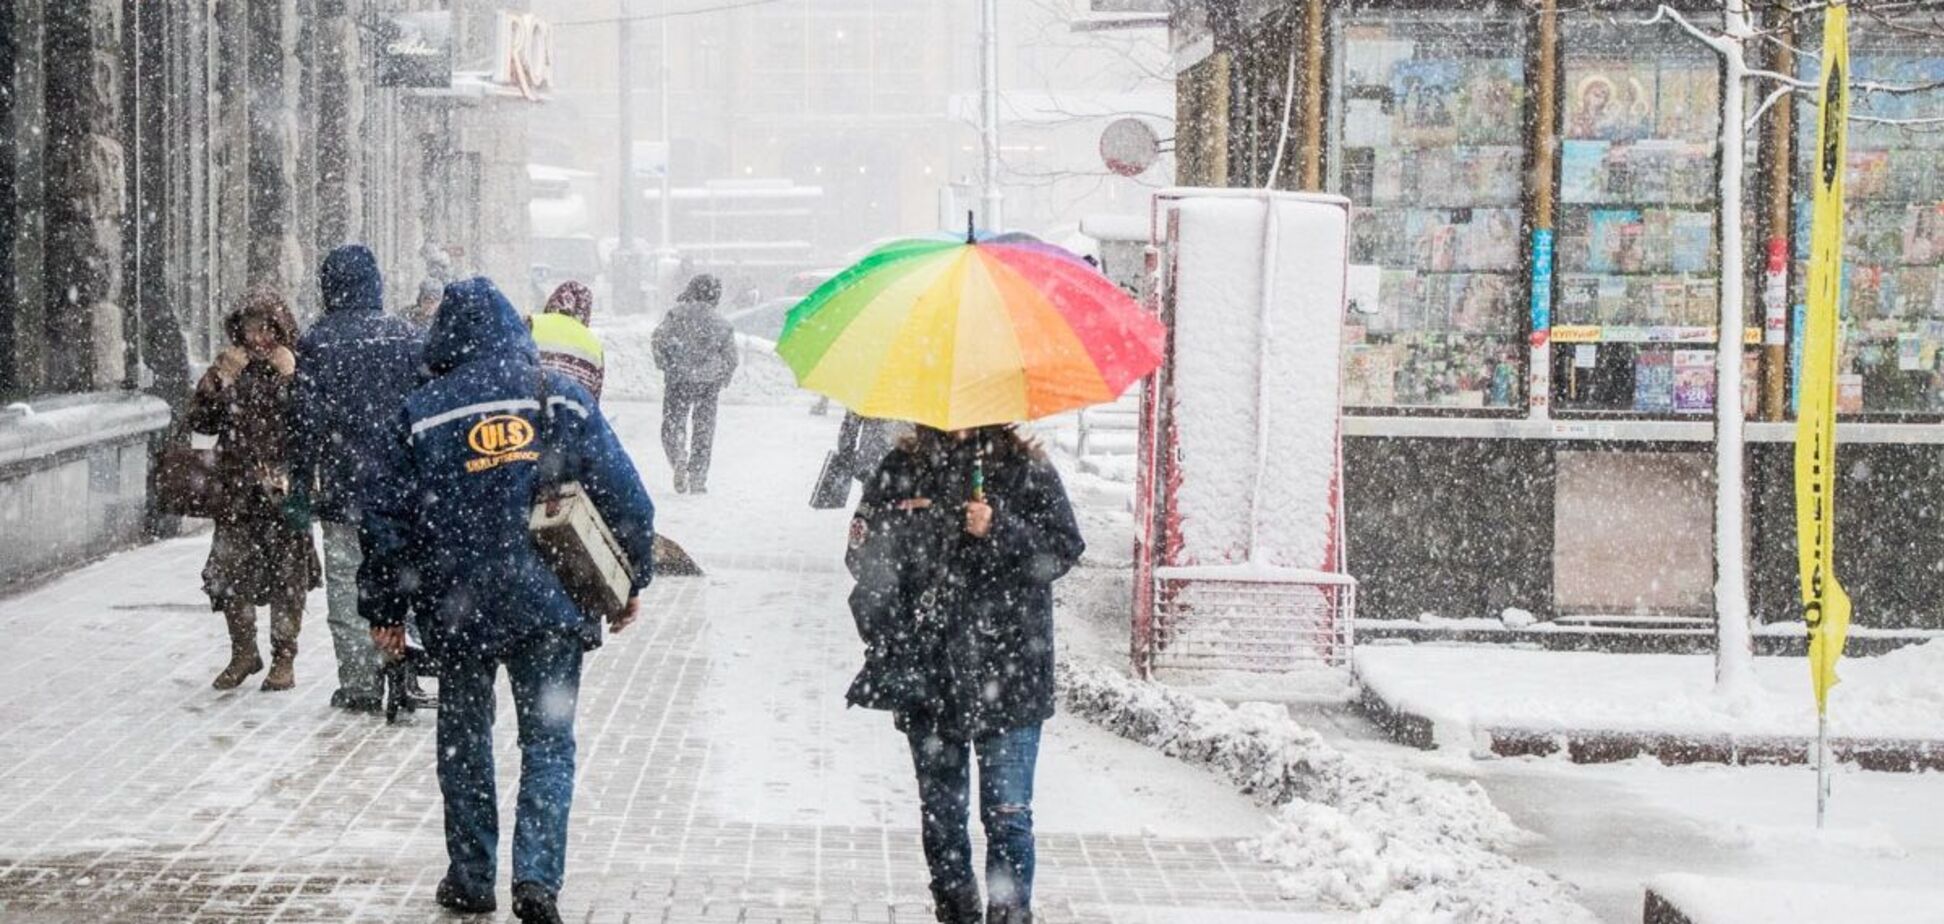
{"points": [[720, 779]]}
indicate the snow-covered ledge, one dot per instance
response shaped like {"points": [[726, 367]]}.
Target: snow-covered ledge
{"points": [[73, 478]]}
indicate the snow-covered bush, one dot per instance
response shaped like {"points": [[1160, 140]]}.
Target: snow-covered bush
{"points": [[1347, 830]]}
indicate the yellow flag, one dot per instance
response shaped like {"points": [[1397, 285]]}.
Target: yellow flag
{"points": [[1826, 607]]}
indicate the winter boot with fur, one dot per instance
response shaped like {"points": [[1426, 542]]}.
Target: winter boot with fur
{"points": [[244, 659], [283, 650]]}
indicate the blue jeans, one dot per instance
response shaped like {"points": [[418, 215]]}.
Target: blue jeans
{"points": [[1006, 762], [545, 673]]}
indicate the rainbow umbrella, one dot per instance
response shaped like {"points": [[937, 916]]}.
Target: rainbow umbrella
{"points": [[964, 333]]}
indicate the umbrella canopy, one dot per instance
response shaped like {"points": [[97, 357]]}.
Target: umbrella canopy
{"points": [[954, 335]]}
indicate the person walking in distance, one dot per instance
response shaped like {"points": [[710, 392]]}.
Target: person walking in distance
{"points": [[258, 556], [354, 367], [566, 344], [955, 547], [695, 348], [446, 536]]}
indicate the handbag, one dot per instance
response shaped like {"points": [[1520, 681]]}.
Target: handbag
{"points": [[570, 534], [185, 481]]}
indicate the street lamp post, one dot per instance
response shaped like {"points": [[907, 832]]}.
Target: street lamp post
{"points": [[989, 108], [627, 261]]}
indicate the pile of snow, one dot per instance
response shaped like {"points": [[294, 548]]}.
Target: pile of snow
{"points": [[1706, 900], [1389, 842], [1899, 695], [761, 376]]}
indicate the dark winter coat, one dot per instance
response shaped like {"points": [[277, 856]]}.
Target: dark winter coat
{"points": [[256, 556], [694, 345], [355, 366], [445, 529], [979, 658]]}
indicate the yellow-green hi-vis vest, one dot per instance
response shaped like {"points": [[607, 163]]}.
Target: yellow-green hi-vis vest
{"points": [[569, 348]]}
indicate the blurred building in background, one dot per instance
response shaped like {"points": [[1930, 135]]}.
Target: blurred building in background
{"points": [[800, 131]]}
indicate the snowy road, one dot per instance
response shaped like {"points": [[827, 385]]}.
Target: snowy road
{"points": [[721, 777]]}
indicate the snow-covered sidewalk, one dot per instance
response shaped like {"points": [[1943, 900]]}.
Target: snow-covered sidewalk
{"points": [[721, 777], [1889, 709]]}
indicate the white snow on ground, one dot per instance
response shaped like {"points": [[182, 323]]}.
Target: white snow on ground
{"points": [[1350, 831], [1897, 695], [1759, 901], [784, 748]]}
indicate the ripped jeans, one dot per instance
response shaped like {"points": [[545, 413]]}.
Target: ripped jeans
{"points": [[1006, 762]]}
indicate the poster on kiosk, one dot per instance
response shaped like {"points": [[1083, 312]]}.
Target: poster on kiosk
{"points": [[1239, 537]]}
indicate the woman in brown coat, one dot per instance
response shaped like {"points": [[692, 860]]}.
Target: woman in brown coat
{"points": [[258, 557]]}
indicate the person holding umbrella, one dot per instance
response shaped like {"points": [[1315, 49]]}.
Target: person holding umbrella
{"points": [[955, 547], [965, 526]]}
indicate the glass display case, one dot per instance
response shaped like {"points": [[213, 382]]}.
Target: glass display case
{"points": [[1893, 254], [1426, 121], [1638, 250]]}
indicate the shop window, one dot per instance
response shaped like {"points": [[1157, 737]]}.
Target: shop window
{"points": [[1893, 223], [1637, 247], [1427, 128]]}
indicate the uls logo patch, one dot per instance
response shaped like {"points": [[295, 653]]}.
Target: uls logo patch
{"points": [[500, 439], [499, 434]]}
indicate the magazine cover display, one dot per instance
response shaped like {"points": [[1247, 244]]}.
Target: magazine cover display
{"points": [[1893, 273], [1637, 246], [1435, 167]]}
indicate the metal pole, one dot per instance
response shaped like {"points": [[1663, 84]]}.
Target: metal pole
{"points": [[989, 92], [667, 240], [1822, 767], [627, 261], [1313, 54], [1775, 299]]}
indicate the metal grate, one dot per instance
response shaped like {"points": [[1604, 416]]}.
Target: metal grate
{"points": [[1253, 626]]}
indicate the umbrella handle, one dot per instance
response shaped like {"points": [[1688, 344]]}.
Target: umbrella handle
{"points": [[968, 226], [978, 479]]}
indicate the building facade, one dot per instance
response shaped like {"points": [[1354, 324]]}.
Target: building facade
{"points": [[159, 159], [1529, 363]]}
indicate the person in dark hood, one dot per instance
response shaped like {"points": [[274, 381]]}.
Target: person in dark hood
{"points": [[354, 367], [566, 344], [695, 348], [447, 545], [955, 547], [258, 557]]}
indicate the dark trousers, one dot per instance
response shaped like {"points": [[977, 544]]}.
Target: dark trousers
{"points": [[545, 674], [685, 407], [1006, 761]]}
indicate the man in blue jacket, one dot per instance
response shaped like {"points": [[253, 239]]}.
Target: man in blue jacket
{"points": [[355, 366], [446, 541]]}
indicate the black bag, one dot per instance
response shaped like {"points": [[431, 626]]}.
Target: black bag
{"points": [[833, 483]]}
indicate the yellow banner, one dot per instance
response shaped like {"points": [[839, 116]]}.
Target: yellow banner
{"points": [[1826, 607]]}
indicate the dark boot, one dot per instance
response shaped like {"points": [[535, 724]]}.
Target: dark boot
{"points": [[681, 481], [533, 904], [244, 658], [998, 914], [283, 649], [449, 897], [956, 906]]}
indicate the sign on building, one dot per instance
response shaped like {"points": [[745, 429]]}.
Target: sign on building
{"points": [[415, 50], [523, 53]]}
